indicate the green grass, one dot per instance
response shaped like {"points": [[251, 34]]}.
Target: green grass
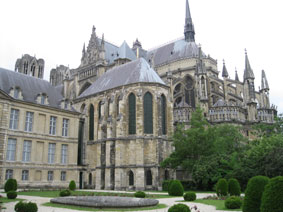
{"points": [[52, 194], [201, 192], [79, 208], [219, 204], [5, 200]]}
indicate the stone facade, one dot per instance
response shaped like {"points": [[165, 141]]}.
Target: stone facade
{"points": [[113, 153], [38, 140]]}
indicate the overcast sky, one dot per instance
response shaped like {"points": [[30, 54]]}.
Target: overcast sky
{"points": [[56, 31]]}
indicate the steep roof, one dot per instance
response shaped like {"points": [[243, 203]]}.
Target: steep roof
{"points": [[125, 52], [129, 73], [176, 50], [110, 51], [29, 86]]}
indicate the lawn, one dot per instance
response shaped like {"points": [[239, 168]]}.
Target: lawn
{"points": [[159, 206], [52, 194], [5, 200], [219, 204]]}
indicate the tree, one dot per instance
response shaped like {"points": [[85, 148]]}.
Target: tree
{"points": [[190, 144], [205, 151]]}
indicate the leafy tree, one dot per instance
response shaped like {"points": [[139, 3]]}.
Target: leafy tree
{"points": [[207, 152], [190, 144]]}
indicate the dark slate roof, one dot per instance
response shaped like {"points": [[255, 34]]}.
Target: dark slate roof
{"points": [[173, 51], [110, 51], [129, 73], [30, 87], [125, 52]]}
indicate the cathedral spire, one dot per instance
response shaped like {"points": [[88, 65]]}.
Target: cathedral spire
{"points": [[189, 26], [264, 83], [248, 73], [224, 71], [84, 49], [236, 76]]}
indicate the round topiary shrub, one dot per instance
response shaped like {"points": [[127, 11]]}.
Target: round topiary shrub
{"points": [[179, 208], [72, 185], [165, 185], [12, 195], [234, 188], [176, 188], [139, 194], [272, 197], [233, 202], [190, 196], [26, 207], [20, 207], [253, 193], [64, 193], [31, 207], [222, 187], [11, 185]]}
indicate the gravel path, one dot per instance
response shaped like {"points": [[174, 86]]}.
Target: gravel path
{"points": [[168, 201]]}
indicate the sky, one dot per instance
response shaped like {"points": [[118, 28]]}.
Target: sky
{"points": [[56, 31]]}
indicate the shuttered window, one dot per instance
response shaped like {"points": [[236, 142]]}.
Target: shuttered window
{"points": [[132, 114], [91, 122], [147, 114], [163, 114]]}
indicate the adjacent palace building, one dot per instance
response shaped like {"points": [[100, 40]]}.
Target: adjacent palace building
{"points": [[107, 124]]}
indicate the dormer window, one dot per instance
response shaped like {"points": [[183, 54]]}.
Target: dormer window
{"points": [[42, 99], [65, 104], [15, 92]]}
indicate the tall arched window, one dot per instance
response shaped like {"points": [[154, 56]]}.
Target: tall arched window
{"points": [[147, 113], [148, 177], [132, 114], [189, 92], [108, 108], [118, 106], [91, 122], [33, 70], [99, 109], [163, 114], [131, 178], [90, 179]]}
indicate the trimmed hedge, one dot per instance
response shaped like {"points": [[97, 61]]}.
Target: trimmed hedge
{"points": [[190, 196], [176, 188], [233, 202], [64, 193], [253, 193], [139, 194], [72, 185], [26, 207], [222, 187], [12, 195], [234, 187], [11, 185], [179, 208], [165, 185], [272, 197]]}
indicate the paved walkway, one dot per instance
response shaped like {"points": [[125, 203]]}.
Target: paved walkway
{"points": [[168, 201]]}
